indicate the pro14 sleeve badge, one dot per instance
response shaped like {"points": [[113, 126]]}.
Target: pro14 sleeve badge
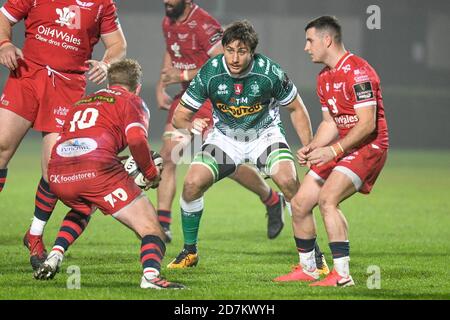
{"points": [[363, 91]]}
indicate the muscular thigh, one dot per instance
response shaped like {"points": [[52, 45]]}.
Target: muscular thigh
{"points": [[337, 188], [13, 128]]}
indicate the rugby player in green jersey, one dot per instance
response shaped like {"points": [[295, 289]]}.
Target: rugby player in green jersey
{"points": [[246, 90]]}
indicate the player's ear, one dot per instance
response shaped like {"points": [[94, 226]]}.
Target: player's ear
{"points": [[328, 40]]}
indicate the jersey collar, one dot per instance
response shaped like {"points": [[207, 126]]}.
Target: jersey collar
{"points": [[342, 60]]}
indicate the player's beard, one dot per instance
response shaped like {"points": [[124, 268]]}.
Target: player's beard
{"points": [[177, 10]]}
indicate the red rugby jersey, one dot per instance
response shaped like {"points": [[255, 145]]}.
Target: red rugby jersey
{"points": [[96, 127], [352, 84], [189, 42], [62, 33]]}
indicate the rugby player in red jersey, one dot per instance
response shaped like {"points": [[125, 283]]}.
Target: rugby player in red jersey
{"points": [[345, 156], [46, 77], [85, 171]]}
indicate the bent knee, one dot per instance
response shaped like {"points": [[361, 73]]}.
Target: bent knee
{"points": [[327, 202], [192, 190], [288, 185]]}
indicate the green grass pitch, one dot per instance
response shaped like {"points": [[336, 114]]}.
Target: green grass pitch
{"points": [[403, 228]]}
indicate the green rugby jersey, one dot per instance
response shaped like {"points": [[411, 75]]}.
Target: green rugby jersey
{"points": [[248, 102]]}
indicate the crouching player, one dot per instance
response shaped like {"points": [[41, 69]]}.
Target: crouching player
{"points": [[346, 155], [86, 173]]}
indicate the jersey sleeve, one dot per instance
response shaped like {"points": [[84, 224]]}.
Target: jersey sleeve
{"points": [[210, 34], [16, 10], [197, 92], [110, 20], [361, 87], [136, 115], [284, 89]]}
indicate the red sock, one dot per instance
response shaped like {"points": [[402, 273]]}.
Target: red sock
{"points": [[272, 199]]}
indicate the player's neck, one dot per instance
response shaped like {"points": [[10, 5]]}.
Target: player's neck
{"points": [[335, 56], [186, 13]]}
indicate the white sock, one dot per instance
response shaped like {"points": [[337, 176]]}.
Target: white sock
{"points": [[308, 260], [58, 249], [37, 227], [193, 206], [150, 273], [342, 266]]}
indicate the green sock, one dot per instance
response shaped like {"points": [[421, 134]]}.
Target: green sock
{"points": [[190, 222]]}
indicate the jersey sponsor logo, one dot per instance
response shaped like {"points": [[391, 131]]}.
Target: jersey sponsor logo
{"points": [[56, 34], [337, 86], [4, 101], [266, 72], [240, 111], [346, 68], [175, 47], [184, 66], [285, 82], [215, 37], [60, 111], [98, 98], [116, 93], [192, 24], [261, 62], [65, 16], [59, 122], [182, 36], [256, 91], [363, 91], [76, 147], [362, 78], [215, 63], [223, 89], [277, 71], [73, 177], [238, 88], [85, 4], [346, 121]]}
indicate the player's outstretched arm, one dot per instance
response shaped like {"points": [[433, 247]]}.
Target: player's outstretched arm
{"points": [[163, 99], [140, 150], [300, 120], [182, 119], [9, 53], [327, 132], [115, 50]]}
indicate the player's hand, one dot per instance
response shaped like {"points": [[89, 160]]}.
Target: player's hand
{"points": [[163, 99], [98, 71], [302, 154], [170, 76], [198, 125], [154, 183], [320, 156], [9, 54]]}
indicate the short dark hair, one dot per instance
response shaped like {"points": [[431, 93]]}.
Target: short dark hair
{"points": [[242, 31], [329, 23], [127, 72]]}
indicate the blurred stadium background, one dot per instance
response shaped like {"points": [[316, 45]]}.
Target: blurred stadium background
{"points": [[409, 52]]}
